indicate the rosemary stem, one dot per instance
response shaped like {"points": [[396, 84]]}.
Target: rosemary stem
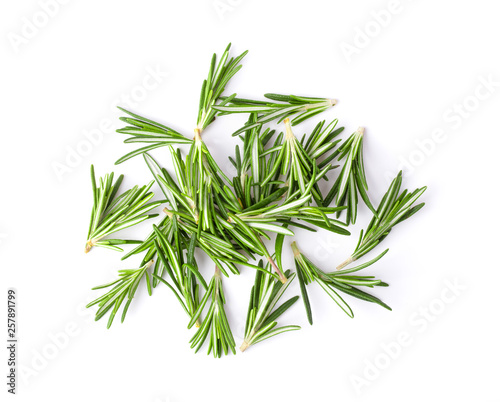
{"points": [[88, 246], [345, 263], [242, 179], [295, 249], [244, 346], [282, 277], [289, 132], [170, 214], [328, 102], [247, 341]]}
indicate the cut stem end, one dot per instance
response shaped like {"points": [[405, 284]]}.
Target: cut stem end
{"points": [[288, 127], [197, 134], [283, 278], [345, 263], [88, 246]]}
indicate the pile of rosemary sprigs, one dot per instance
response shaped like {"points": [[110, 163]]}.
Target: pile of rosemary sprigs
{"points": [[275, 191]]}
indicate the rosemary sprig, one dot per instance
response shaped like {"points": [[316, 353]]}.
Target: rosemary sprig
{"points": [[215, 324], [214, 85], [252, 224], [295, 163], [200, 176], [283, 107], [251, 237], [184, 217], [143, 130], [221, 251], [183, 275], [321, 142], [262, 315], [251, 165], [296, 209], [394, 208], [203, 178], [111, 214], [335, 282], [352, 178], [276, 189], [124, 288]]}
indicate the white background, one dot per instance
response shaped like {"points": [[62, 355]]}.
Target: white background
{"points": [[405, 82]]}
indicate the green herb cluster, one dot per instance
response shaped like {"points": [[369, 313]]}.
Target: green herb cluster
{"points": [[276, 191]]}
